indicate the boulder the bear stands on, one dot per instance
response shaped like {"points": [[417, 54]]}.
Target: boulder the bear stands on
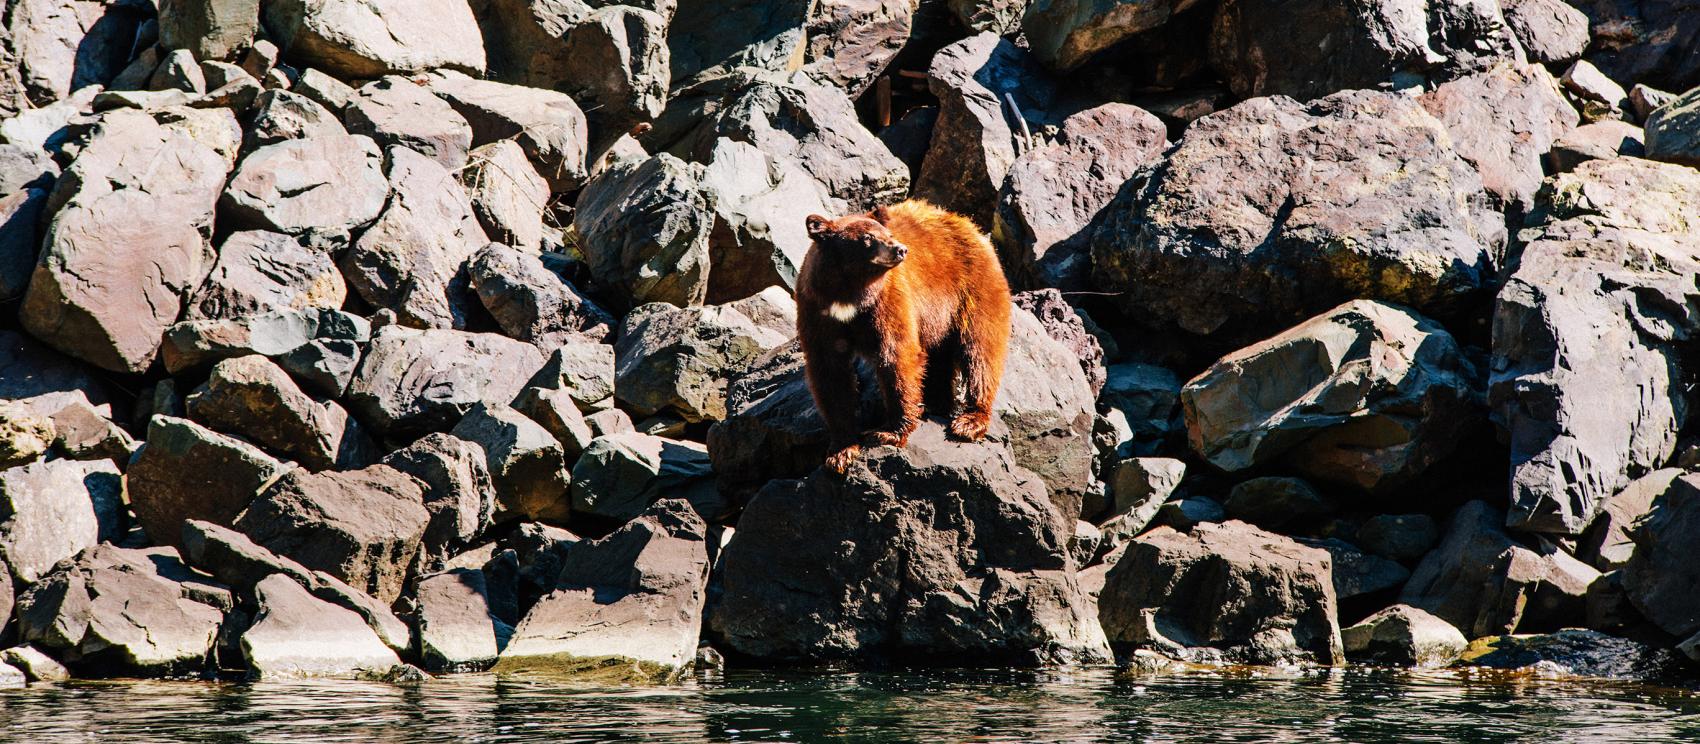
{"points": [[895, 286]]}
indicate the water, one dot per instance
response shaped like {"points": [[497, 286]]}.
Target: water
{"points": [[932, 706]]}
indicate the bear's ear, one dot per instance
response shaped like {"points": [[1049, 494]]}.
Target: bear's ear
{"points": [[881, 215], [817, 226]]}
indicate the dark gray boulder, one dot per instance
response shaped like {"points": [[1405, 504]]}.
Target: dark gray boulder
{"points": [[397, 112], [680, 360], [1550, 31], [1673, 131], [644, 230], [370, 38], [258, 271], [532, 303], [547, 124], [1484, 583], [622, 474], [460, 494], [414, 382], [54, 509], [253, 398], [525, 461], [1658, 577], [1403, 635], [185, 471], [850, 42]]}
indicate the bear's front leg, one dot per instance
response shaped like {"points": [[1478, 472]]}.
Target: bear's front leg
{"points": [[902, 372], [831, 374]]}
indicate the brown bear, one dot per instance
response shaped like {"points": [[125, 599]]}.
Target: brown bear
{"points": [[895, 286]]}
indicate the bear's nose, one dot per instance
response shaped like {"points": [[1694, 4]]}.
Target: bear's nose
{"points": [[901, 252]]}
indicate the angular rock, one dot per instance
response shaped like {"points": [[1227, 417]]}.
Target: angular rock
{"points": [[584, 371], [850, 42], [1601, 140], [55, 509], [412, 260], [1067, 326], [179, 72], [1275, 502], [532, 303], [36, 666], [1001, 17], [1600, 97], [1367, 395], [354, 39], [1502, 121], [295, 635], [1188, 513], [253, 398], [322, 187], [557, 412], [457, 631], [126, 243], [412, 382], [1357, 574], [1138, 487], [234, 559], [548, 124], [1401, 537], [210, 29], [1607, 264], [757, 241], [1148, 397], [681, 359], [60, 46], [281, 115], [508, 196], [525, 462], [258, 272], [109, 612], [362, 526], [1052, 193], [20, 239], [958, 553], [459, 492], [620, 475], [185, 471], [1066, 33], [974, 143], [644, 230], [633, 600], [1402, 635], [1609, 542], [1645, 100], [327, 91], [1673, 131], [729, 34], [397, 112], [1265, 50], [1550, 31], [35, 377], [319, 346], [1657, 576], [1482, 582], [1273, 210]]}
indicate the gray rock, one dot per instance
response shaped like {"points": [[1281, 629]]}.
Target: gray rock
{"points": [[1367, 395], [1601, 140], [412, 382], [281, 115], [1359, 574], [210, 29], [1402, 635], [729, 34], [1067, 326], [135, 203], [633, 599], [1574, 652], [1550, 31], [37, 378], [253, 398], [525, 462], [1189, 512], [1223, 592], [1483, 583], [1067, 33], [361, 526], [1001, 17], [850, 42], [1502, 121], [55, 509], [1600, 97], [621, 475], [296, 636], [1267, 212], [1148, 397], [1401, 537], [1605, 265], [460, 494], [23, 166], [258, 272], [1261, 49], [1138, 487], [1052, 193], [185, 471], [1609, 542], [110, 612], [1657, 577], [958, 554], [1276, 502], [234, 559], [557, 412], [180, 72], [532, 303], [757, 241], [83, 432], [395, 111], [412, 260], [1645, 100], [680, 360], [36, 666], [508, 196], [547, 124], [322, 187], [60, 46], [20, 239], [457, 631], [319, 346], [327, 91], [584, 371], [366, 39], [644, 230], [1673, 130]]}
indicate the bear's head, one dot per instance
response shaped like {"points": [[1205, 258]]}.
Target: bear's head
{"points": [[859, 240]]}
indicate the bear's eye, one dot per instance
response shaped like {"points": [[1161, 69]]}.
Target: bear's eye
{"points": [[868, 241]]}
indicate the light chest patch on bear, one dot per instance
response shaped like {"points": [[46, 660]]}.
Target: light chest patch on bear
{"points": [[842, 312]]}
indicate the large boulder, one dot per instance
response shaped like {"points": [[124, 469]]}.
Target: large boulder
{"points": [[358, 39], [939, 550], [773, 429], [1550, 31], [185, 471], [127, 243], [413, 259], [533, 303], [620, 475], [1658, 577], [1052, 194], [253, 398], [44, 381], [973, 146], [209, 29], [413, 382], [460, 494], [1066, 33], [585, 372], [1313, 48], [1274, 210], [259, 271], [295, 635], [1588, 334], [850, 42], [680, 360], [757, 241], [547, 124], [633, 599], [525, 461], [20, 237], [1673, 130], [322, 187], [319, 346], [361, 526], [1503, 121], [1610, 542], [644, 229], [59, 46], [508, 195], [1651, 43], [729, 34], [1484, 583], [53, 510], [395, 111], [1403, 635], [111, 612], [457, 630], [1368, 395], [281, 115], [1068, 326], [1223, 592]]}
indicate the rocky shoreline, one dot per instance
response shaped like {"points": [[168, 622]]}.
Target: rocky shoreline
{"points": [[382, 339]]}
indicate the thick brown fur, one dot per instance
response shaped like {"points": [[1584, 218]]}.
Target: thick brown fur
{"points": [[894, 286]]}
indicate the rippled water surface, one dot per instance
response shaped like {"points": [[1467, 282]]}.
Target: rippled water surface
{"points": [[930, 706]]}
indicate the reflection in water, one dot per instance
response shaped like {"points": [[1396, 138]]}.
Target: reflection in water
{"points": [[930, 706]]}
